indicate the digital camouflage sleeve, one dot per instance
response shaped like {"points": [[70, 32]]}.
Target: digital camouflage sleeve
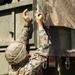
{"points": [[34, 67], [24, 35]]}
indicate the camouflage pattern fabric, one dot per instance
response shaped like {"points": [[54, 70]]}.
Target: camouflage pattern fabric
{"points": [[16, 71], [24, 35], [34, 67]]}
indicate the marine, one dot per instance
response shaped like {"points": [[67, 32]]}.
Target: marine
{"points": [[20, 62]]}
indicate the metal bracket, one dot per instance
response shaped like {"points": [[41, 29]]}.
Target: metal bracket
{"points": [[67, 63]]}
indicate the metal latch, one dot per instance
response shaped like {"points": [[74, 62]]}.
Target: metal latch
{"points": [[12, 33], [44, 64], [67, 63]]}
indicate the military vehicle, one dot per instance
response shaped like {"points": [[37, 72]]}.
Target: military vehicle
{"points": [[59, 21]]}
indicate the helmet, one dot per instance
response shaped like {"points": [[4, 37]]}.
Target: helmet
{"points": [[15, 53]]}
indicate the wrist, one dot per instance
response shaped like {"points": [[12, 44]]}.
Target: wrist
{"points": [[27, 23], [40, 25], [26, 26]]}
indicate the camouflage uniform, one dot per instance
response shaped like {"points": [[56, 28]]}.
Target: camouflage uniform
{"points": [[34, 66]]}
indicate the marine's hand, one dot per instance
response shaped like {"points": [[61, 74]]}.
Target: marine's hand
{"points": [[39, 19], [26, 16]]}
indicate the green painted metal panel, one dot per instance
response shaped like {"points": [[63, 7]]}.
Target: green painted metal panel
{"points": [[6, 27], [11, 21], [2, 2], [3, 64], [15, 5], [60, 38], [73, 38]]}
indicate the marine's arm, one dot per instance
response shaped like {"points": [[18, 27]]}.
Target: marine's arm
{"points": [[24, 35], [25, 30], [43, 38]]}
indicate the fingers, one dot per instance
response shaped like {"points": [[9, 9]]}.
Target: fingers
{"points": [[25, 12], [38, 14]]}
